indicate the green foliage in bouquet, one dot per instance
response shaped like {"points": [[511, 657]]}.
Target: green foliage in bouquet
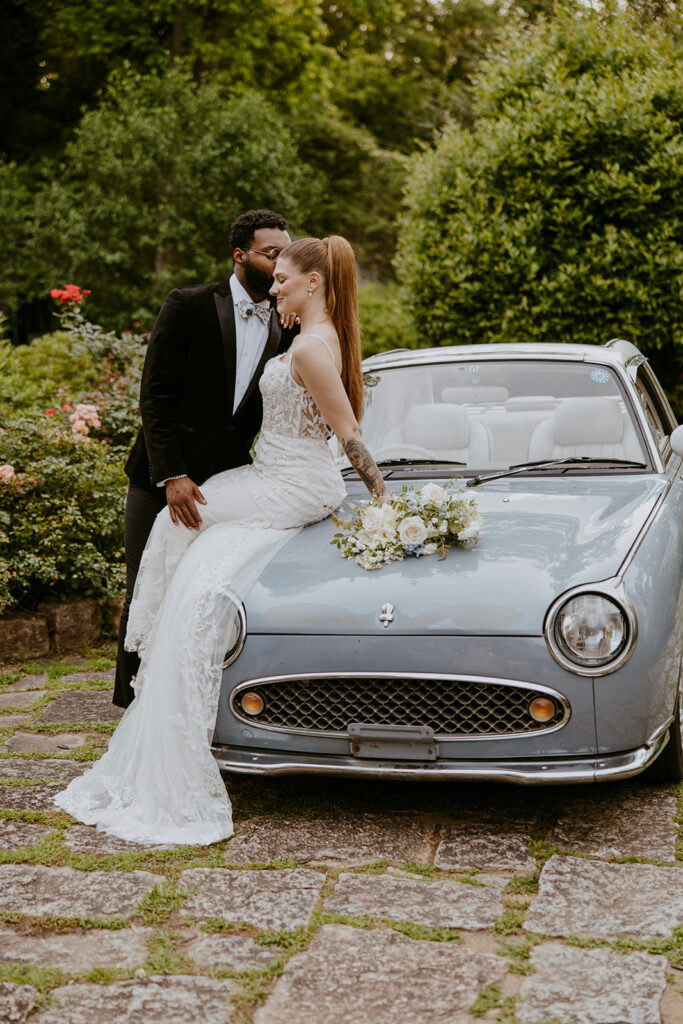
{"points": [[558, 217], [61, 522]]}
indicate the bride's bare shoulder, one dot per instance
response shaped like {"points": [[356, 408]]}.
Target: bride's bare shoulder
{"points": [[317, 350]]}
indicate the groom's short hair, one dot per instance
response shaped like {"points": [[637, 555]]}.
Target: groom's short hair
{"points": [[243, 229]]}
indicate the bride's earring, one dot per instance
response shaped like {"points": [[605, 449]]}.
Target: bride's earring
{"points": [[310, 289]]}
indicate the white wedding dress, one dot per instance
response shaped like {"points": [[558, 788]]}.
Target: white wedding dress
{"points": [[158, 781]]}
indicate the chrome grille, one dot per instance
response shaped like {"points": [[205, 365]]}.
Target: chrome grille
{"points": [[452, 707]]}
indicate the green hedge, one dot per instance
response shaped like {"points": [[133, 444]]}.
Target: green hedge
{"points": [[558, 217]]}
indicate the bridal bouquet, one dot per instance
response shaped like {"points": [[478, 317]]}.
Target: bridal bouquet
{"points": [[412, 522]]}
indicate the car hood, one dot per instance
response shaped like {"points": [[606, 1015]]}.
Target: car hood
{"points": [[540, 538]]}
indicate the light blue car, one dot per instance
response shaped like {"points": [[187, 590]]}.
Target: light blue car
{"points": [[549, 653]]}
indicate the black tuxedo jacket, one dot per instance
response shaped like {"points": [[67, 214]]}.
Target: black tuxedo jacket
{"points": [[187, 390]]}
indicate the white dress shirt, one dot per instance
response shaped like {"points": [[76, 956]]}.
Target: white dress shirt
{"points": [[250, 340]]}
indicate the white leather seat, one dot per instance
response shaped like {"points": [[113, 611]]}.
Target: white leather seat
{"points": [[447, 431], [585, 426]]}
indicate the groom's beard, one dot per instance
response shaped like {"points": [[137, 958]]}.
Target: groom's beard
{"points": [[258, 282]]}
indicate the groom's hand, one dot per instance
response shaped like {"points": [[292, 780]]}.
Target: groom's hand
{"points": [[181, 496]]}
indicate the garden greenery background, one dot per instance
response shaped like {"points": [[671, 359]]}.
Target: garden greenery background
{"points": [[506, 170]]}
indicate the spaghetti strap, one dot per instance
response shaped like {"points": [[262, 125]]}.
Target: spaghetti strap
{"points": [[320, 338]]}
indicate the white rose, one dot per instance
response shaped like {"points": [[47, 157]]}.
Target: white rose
{"points": [[430, 548], [388, 518], [432, 493], [412, 530], [372, 518]]}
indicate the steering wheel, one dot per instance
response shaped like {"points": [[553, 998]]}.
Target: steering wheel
{"points": [[402, 451]]}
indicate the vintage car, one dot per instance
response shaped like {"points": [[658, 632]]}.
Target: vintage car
{"points": [[548, 653]]}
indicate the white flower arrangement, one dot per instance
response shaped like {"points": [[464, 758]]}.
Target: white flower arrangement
{"points": [[411, 522]]}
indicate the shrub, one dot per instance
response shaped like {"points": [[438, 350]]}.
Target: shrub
{"points": [[61, 515], [79, 363], [384, 320], [558, 218]]}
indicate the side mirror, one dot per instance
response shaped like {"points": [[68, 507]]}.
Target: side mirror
{"points": [[676, 441]]}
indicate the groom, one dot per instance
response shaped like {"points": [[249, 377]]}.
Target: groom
{"points": [[199, 401]]}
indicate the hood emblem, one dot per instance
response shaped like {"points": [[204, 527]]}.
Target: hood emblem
{"points": [[386, 615]]}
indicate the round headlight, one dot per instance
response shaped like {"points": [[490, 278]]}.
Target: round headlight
{"points": [[591, 630], [237, 634]]}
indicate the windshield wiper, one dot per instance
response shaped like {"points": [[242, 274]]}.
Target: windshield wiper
{"points": [[393, 463], [577, 460]]}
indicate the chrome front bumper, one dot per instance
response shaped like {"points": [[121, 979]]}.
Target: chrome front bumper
{"points": [[533, 772]]}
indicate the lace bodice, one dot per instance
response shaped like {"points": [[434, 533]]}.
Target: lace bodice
{"points": [[288, 407]]}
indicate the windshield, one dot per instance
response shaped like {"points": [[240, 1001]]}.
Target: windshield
{"points": [[495, 414]]}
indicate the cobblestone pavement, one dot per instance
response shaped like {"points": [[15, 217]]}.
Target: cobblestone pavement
{"points": [[336, 901]]}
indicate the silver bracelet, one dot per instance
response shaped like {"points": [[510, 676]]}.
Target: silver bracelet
{"points": [[162, 483]]}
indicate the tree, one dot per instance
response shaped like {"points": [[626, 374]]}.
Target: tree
{"points": [[150, 184], [559, 216]]}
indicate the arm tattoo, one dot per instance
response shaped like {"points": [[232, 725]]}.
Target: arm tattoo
{"points": [[364, 464]]}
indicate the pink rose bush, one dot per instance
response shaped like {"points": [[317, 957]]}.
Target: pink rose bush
{"points": [[7, 473], [411, 522], [83, 418]]}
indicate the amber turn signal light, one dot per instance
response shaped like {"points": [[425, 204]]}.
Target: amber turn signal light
{"points": [[541, 709], [252, 703]]}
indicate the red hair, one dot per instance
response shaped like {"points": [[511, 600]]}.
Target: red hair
{"points": [[334, 260]]}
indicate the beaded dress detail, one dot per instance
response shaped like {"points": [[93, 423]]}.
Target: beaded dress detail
{"points": [[158, 782]]}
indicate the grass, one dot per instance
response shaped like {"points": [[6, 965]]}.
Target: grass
{"points": [[671, 947], [512, 919], [157, 906]]}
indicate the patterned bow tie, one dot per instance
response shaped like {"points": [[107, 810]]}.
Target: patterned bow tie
{"points": [[248, 309]]}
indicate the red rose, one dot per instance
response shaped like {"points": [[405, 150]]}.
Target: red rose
{"points": [[49, 412]]}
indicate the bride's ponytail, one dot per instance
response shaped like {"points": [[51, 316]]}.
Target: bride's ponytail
{"points": [[333, 258]]}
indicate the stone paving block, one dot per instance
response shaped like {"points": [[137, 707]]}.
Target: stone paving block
{"points": [[267, 899], [592, 898], [592, 986], [334, 838], [16, 1002], [89, 677], [483, 846], [29, 798], [179, 999], [45, 743], [14, 834], [21, 699], [438, 904], [48, 769], [33, 890], [231, 952], [74, 951], [81, 706], [14, 720], [87, 839], [619, 822], [30, 682], [357, 974]]}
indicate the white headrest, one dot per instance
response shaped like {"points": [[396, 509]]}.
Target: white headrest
{"points": [[437, 426], [588, 421], [475, 396]]}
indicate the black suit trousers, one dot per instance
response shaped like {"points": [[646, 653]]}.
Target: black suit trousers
{"points": [[142, 507]]}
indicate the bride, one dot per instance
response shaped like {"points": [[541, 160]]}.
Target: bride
{"points": [[158, 781]]}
